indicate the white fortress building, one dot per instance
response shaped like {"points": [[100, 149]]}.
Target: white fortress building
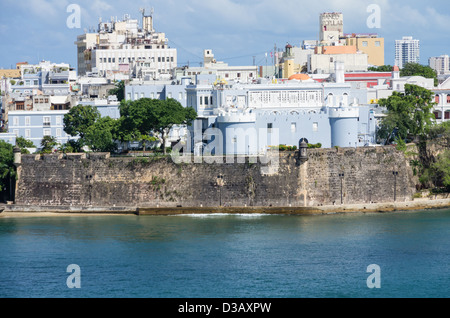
{"points": [[248, 119]]}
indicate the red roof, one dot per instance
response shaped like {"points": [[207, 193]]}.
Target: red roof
{"points": [[368, 74]]}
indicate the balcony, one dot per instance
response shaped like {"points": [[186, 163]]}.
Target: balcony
{"points": [[58, 76]]}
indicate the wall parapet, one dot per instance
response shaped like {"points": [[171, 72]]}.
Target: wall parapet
{"points": [[65, 156]]}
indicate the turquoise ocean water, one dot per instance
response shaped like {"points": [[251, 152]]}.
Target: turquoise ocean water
{"points": [[227, 256]]}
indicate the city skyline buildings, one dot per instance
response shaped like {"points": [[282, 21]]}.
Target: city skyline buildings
{"points": [[407, 50], [239, 33], [125, 46]]}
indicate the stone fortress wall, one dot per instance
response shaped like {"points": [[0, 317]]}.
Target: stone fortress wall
{"points": [[329, 177]]}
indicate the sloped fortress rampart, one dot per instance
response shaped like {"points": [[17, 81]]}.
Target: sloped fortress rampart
{"points": [[329, 176]]}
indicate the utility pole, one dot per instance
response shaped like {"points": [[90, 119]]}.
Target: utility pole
{"points": [[275, 60], [265, 73]]}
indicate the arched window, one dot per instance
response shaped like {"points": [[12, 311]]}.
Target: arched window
{"points": [[345, 99], [330, 99]]}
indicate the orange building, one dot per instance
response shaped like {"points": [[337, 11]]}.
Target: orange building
{"points": [[344, 49]]}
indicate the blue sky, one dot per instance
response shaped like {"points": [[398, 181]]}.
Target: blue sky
{"points": [[236, 30]]}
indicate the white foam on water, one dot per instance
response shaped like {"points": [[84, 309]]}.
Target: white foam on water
{"points": [[240, 215]]}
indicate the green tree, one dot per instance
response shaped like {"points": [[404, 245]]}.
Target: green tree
{"points": [[410, 112], [168, 113], [415, 69], [441, 133], [99, 136], [7, 171], [48, 143], [435, 171], [71, 146], [119, 91], [147, 138], [382, 68], [23, 143], [131, 124], [441, 169], [142, 117], [78, 120]]}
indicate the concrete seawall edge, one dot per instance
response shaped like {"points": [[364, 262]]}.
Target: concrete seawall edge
{"points": [[320, 210]]}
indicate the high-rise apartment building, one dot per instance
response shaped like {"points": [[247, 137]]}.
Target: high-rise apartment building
{"points": [[441, 64], [122, 48], [407, 50]]}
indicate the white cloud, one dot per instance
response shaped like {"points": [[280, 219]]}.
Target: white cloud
{"points": [[436, 19], [230, 27], [99, 6]]}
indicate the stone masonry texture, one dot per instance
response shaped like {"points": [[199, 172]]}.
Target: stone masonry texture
{"points": [[101, 180]]}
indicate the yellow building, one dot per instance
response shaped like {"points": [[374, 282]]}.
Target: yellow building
{"points": [[287, 63], [10, 73], [370, 44], [289, 68]]}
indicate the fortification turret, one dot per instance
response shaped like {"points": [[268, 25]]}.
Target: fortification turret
{"points": [[344, 126]]}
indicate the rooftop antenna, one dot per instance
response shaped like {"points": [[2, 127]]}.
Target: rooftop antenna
{"points": [[142, 10], [147, 20]]}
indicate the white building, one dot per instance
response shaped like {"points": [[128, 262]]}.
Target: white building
{"points": [[254, 117], [440, 64], [220, 69], [407, 50], [325, 63], [442, 100], [120, 49]]}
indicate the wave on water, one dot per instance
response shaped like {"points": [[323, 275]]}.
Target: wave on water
{"points": [[208, 215]]}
